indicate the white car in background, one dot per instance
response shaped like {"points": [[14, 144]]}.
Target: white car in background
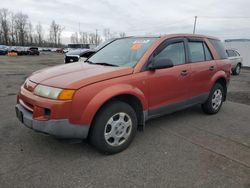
{"points": [[66, 50], [236, 61]]}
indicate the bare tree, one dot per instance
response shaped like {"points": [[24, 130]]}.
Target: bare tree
{"points": [[39, 34], [106, 34], [98, 40], [92, 38], [4, 22], [30, 35], [55, 33], [12, 29], [74, 38], [59, 34], [84, 37], [21, 22], [122, 34]]}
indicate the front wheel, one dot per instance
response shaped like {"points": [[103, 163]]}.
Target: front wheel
{"points": [[215, 100], [114, 127]]}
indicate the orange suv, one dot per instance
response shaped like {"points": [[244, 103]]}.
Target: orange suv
{"points": [[113, 93]]}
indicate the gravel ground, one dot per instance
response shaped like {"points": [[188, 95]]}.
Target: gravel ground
{"points": [[184, 149]]}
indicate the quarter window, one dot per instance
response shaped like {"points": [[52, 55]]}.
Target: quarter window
{"points": [[175, 52], [219, 48]]}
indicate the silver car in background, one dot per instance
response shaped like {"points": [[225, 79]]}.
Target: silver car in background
{"points": [[236, 61]]}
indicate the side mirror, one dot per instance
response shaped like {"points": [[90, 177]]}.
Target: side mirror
{"points": [[161, 64]]}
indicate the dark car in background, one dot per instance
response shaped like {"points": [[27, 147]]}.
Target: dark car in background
{"points": [[19, 50], [3, 50], [74, 55], [33, 51]]}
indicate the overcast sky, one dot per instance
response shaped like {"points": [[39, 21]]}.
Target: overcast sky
{"points": [[221, 18]]}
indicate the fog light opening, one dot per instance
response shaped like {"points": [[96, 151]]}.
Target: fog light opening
{"points": [[47, 112]]}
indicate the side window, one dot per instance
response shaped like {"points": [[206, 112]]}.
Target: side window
{"points": [[196, 51], [208, 55], [219, 48], [175, 52]]}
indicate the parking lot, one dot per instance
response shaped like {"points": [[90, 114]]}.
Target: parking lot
{"points": [[184, 149]]}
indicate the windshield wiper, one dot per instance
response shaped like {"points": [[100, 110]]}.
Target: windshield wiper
{"points": [[106, 64], [90, 62]]}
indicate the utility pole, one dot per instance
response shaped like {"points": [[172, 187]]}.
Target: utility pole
{"points": [[195, 21], [96, 37]]}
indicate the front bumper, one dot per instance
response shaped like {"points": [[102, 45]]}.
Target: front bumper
{"points": [[60, 128]]}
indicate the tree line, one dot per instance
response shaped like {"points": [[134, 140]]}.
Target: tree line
{"points": [[94, 38], [85, 38], [17, 30]]}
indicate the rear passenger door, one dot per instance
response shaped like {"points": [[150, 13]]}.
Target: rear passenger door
{"points": [[203, 67]]}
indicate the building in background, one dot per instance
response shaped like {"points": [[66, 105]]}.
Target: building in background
{"points": [[242, 46]]}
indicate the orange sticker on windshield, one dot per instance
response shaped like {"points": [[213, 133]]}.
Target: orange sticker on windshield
{"points": [[136, 46]]}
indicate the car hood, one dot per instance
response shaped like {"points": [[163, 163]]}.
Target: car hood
{"points": [[77, 75]]}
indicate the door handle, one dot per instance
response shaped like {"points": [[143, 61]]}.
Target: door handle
{"points": [[184, 73], [211, 68]]}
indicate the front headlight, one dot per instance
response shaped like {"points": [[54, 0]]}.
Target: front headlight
{"points": [[54, 93]]}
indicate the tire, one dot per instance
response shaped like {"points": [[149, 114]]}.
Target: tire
{"points": [[113, 128], [215, 100], [237, 70]]}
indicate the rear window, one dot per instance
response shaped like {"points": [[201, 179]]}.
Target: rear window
{"points": [[219, 48]]}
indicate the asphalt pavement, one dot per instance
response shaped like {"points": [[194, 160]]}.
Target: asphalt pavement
{"points": [[184, 149]]}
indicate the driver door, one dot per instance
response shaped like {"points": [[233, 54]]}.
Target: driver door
{"points": [[168, 87]]}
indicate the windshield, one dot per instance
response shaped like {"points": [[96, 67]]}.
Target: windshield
{"points": [[125, 52], [103, 44]]}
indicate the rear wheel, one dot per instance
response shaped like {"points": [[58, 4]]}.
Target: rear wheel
{"points": [[215, 100], [237, 70], [114, 127]]}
